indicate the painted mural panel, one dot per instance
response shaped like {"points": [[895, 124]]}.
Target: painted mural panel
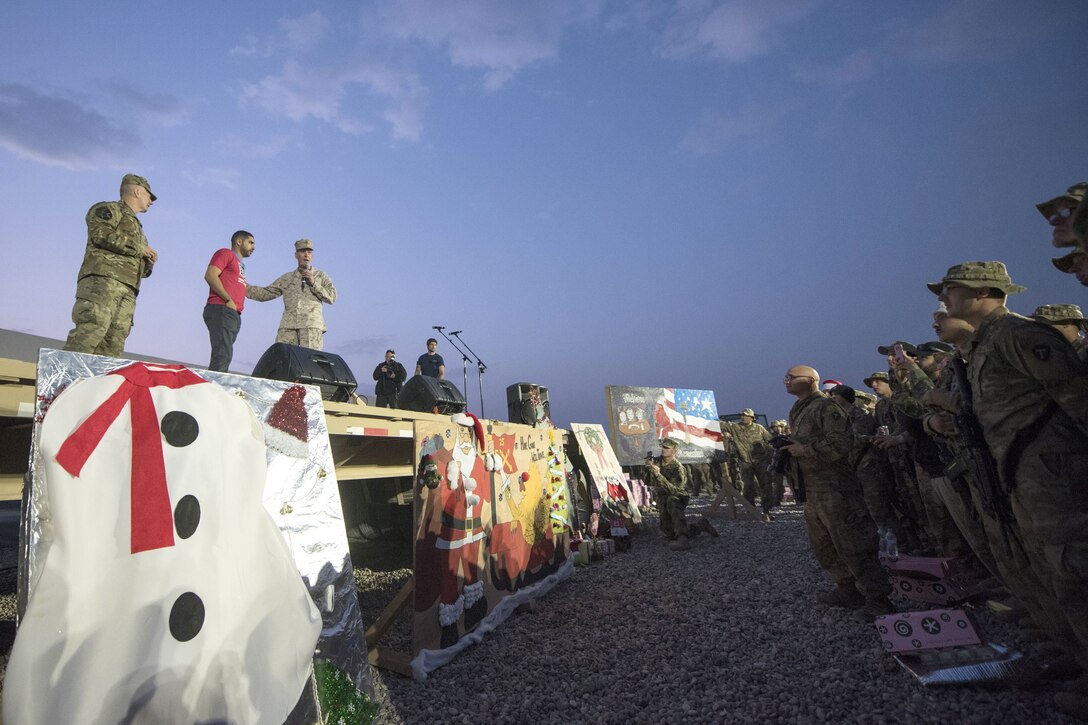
{"points": [[640, 417], [604, 467], [492, 517]]}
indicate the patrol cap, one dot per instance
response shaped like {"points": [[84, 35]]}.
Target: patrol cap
{"points": [[935, 348], [907, 348], [977, 275], [1059, 314], [669, 443], [304, 244], [1065, 264], [1073, 195], [134, 180], [876, 376], [843, 391], [748, 412]]}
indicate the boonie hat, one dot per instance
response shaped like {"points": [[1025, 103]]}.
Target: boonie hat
{"points": [[1059, 314], [1074, 194], [876, 376], [977, 275], [1065, 264]]}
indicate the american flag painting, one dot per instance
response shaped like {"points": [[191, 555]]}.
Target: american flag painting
{"points": [[688, 416]]}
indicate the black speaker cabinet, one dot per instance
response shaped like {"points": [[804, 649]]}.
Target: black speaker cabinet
{"points": [[294, 364], [430, 395], [517, 394]]}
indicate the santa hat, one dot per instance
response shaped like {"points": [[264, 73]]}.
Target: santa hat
{"points": [[286, 429], [829, 384]]}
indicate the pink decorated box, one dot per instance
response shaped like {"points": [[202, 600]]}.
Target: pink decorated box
{"points": [[932, 629]]}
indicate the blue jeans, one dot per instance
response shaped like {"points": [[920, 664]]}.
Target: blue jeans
{"points": [[223, 326]]}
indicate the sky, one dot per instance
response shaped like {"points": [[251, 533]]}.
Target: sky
{"points": [[665, 193]]}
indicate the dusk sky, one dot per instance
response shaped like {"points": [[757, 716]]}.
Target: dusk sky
{"points": [[675, 193]]}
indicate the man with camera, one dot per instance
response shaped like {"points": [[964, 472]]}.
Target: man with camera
{"points": [[390, 375], [672, 492]]}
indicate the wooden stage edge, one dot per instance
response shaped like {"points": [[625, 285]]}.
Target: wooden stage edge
{"points": [[367, 441]]}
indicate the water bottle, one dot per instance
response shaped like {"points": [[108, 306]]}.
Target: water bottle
{"points": [[891, 547], [882, 540]]}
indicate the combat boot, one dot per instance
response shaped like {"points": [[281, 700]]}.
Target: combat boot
{"points": [[680, 544], [704, 525], [878, 607], [843, 595]]}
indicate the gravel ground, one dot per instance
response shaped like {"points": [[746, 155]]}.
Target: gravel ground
{"points": [[727, 632]]}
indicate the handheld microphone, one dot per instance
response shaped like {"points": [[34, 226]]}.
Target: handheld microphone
{"points": [[302, 267]]}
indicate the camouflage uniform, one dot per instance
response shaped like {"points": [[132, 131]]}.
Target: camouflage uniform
{"points": [[907, 498], [109, 279], [302, 322], [1065, 315], [842, 534], [1031, 397], [752, 442], [875, 476], [671, 491]]}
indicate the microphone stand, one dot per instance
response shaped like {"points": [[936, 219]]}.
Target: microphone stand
{"points": [[464, 362], [480, 368]]}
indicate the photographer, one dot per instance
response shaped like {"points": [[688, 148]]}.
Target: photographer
{"points": [[390, 375]]}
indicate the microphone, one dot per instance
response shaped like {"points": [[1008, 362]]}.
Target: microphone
{"points": [[302, 267], [437, 327], [456, 332]]}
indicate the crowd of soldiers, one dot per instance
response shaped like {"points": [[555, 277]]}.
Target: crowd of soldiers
{"points": [[974, 448]]}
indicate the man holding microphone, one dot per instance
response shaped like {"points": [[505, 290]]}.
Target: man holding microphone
{"points": [[303, 289]]}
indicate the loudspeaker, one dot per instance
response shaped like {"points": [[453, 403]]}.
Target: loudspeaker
{"points": [[424, 394], [517, 394], [294, 364]]}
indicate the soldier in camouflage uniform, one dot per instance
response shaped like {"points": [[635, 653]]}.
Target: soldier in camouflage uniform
{"points": [[842, 535], [672, 492], [1069, 321], [117, 259], [1030, 394], [1059, 213], [304, 290], [752, 442]]}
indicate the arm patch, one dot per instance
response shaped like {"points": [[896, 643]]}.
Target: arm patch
{"points": [[103, 213]]}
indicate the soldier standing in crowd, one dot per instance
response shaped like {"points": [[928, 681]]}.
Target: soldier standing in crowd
{"points": [[1069, 321], [752, 441], [1059, 213], [390, 375], [778, 477], [1030, 394], [669, 480], [226, 278], [117, 259], [842, 535], [304, 289]]}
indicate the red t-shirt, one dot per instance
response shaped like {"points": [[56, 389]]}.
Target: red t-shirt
{"points": [[233, 279]]}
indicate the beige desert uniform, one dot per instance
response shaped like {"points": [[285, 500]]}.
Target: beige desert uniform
{"points": [[303, 322]]}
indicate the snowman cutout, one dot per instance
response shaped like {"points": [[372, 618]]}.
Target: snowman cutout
{"points": [[166, 594]]}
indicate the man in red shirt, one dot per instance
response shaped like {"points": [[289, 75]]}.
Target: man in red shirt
{"points": [[226, 278]]}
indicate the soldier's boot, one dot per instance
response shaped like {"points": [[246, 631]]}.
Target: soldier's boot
{"points": [[680, 544], [878, 607], [843, 595], [1071, 703], [704, 525]]}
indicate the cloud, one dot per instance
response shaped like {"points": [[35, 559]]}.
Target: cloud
{"points": [[213, 176], [249, 148], [57, 131], [736, 30], [499, 37], [307, 31], [855, 68], [248, 46], [157, 107], [716, 130], [302, 92]]}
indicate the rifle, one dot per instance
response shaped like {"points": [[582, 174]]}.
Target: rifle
{"points": [[995, 500]]}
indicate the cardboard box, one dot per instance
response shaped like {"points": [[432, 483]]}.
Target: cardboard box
{"points": [[931, 629]]}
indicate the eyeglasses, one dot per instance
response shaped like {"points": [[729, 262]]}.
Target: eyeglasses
{"points": [[1063, 213], [791, 378]]}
